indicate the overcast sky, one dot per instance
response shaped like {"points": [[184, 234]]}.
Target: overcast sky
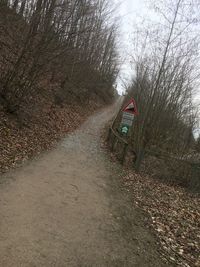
{"points": [[128, 11]]}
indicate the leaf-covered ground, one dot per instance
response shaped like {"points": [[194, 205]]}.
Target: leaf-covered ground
{"points": [[175, 216], [18, 142]]}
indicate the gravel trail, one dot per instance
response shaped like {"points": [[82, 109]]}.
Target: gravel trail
{"points": [[68, 208]]}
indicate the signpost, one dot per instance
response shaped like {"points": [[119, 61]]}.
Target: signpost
{"points": [[129, 112]]}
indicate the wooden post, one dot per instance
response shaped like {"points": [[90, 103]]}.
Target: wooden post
{"points": [[139, 158], [124, 153]]}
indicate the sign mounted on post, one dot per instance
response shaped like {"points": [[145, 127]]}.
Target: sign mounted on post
{"points": [[127, 118], [131, 107], [129, 112]]}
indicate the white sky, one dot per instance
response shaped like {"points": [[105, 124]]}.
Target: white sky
{"points": [[128, 11]]}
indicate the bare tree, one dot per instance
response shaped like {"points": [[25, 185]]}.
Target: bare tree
{"points": [[60, 33], [163, 84]]}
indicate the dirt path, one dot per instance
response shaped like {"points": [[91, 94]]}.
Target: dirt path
{"points": [[67, 208]]}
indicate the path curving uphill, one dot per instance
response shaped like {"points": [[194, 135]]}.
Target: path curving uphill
{"points": [[68, 209]]}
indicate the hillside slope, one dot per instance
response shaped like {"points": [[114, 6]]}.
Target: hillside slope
{"points": [[46, 90]]}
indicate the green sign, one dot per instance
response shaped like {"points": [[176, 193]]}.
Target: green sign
{"points": [[125, 129]]}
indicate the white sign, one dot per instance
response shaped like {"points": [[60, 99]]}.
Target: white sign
{"points": [[127, 119]]}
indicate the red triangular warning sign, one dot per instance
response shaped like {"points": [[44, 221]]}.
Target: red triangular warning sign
{"points": [[131, 107]]}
